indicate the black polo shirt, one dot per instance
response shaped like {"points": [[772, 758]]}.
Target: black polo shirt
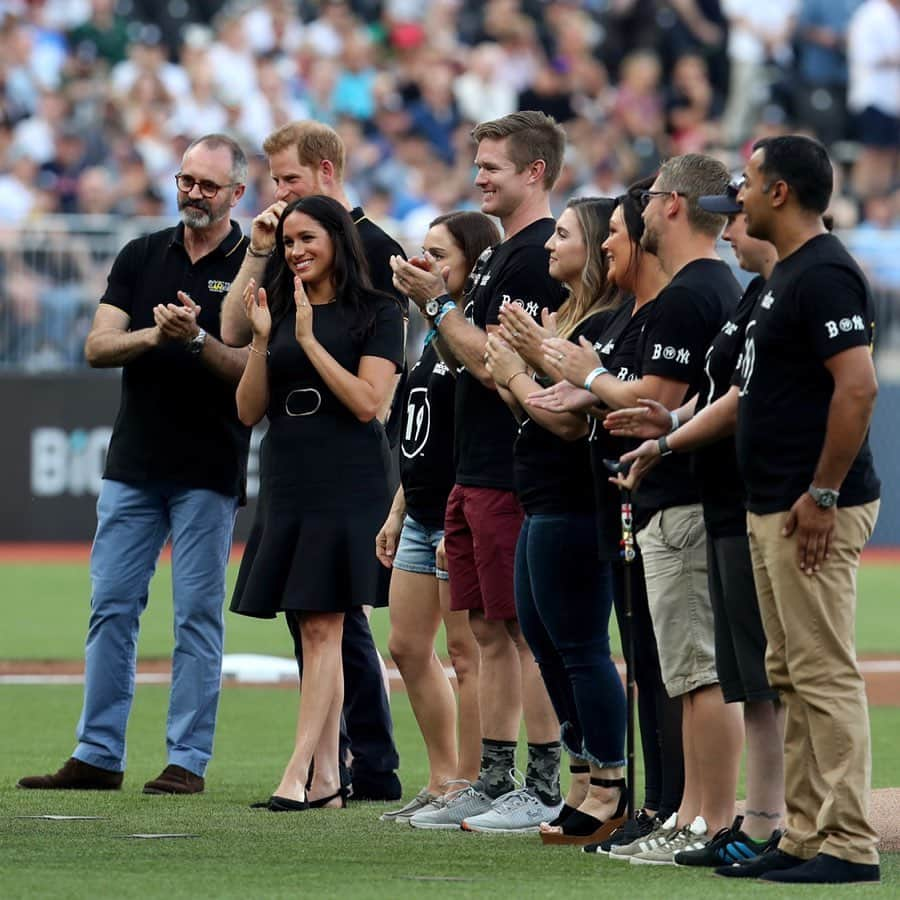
{"points": [[177, 420]]}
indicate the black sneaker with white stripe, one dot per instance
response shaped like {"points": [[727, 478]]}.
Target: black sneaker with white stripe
{"points": [[640, 825]]}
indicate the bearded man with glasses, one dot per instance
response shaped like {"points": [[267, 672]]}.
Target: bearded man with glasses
{"points": [[176, 466]]}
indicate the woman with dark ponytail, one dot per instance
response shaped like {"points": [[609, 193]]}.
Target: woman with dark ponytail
{"points": [[324, 353]]}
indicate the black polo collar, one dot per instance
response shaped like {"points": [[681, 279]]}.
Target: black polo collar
{"points": [[228, 245]]}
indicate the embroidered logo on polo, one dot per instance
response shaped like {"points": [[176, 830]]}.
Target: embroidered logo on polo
{"points": [[418, 422], [214, 286], [767, 300]]}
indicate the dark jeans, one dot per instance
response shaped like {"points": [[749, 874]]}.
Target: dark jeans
{"points": [[563, 602], [658, 714], [366, 727]]}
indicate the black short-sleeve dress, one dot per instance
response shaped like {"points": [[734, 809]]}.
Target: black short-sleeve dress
{"points": [[323, 486]]}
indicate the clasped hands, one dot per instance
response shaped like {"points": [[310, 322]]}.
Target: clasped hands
{"points": [[420, 278], [177, 324]]}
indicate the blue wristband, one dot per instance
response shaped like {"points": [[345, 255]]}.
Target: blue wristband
{"points": [[449, 305], [430, 337], [594, 373]]}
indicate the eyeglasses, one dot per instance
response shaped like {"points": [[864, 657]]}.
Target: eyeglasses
{"points": [[644, 197], [208, 189]]}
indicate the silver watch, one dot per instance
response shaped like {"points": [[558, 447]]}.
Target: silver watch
{"points": [[432, 307], [825, 497], [195, 344]]}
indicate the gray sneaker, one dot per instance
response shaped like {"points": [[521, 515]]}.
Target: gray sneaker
{"points": [[660, 833], [517, 812], [691, 837], [453, 808], [402, 816]]}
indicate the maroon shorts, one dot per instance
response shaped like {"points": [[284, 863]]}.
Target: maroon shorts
{"points": [[481, 529]]}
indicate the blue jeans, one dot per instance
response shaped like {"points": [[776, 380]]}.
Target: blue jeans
{"points": [[133, 522], [563, 602]]}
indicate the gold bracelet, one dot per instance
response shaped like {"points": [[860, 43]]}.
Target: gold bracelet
{"points": [[509, 381], [253, 349]]}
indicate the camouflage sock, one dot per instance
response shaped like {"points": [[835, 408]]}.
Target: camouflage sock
{"points": [[542, 774], [497, 758]]}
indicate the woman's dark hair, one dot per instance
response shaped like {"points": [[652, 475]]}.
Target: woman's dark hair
{"points": [[632, 212], [472, 232], [350, 271]]}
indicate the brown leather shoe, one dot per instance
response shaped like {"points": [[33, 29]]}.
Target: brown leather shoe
{"points": [[175, 780], [74, 775]]}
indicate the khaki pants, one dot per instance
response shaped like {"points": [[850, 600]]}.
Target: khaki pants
{"points": [[811, 661]]}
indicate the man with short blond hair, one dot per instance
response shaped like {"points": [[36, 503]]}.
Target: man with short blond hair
{"points": [[307, 158]]}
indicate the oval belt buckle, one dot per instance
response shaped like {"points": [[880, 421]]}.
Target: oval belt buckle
{"points": [[303, 402]]}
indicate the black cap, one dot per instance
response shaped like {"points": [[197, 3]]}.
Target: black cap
{"points": [[725, 204]]}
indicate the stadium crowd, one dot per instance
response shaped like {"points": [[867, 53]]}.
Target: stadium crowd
{"points": [[99, 100]]}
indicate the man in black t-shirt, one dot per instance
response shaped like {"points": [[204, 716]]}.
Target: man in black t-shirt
{"points": [[807, 389], [518, 160], [307, 158], [176, 465]]}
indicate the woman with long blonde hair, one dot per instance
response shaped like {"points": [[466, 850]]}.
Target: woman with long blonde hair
{"points": [[563, 591]]}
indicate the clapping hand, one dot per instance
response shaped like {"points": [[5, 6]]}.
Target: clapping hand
{"points": [[524, 335], [562, 397], [563, 359], [303, 323], [257, 309], [177, 323], [649, 420], [642, 459], [420, 278], [502, 361]]}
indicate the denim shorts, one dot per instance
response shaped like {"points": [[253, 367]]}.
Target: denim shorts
{"points": [[417, 547]]}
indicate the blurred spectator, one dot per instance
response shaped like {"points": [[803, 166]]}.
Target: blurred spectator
{"points": [[821, 89], [353, 90], [103, 36], [59, 175], [480, 91], [693, 108], [638, 107], [696, 27], [759, 52], [873, 51], [17, 187], [435, 114], [550, 92]]}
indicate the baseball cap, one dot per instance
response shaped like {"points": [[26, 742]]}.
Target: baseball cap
{"points": [[725, 204]]}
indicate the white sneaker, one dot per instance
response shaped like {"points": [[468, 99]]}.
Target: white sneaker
{"points": [[660, 833], [423, 800], [691, 837], [449, 812], [517, 812]]}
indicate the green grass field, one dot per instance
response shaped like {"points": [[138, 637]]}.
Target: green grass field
{"points": [[241, 853], [244, 853], [46, 609]]}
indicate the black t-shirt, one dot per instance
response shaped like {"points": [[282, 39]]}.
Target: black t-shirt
{"points": [[426, 444], [682, 323], [615, 338], [515, 270], [816, 304], [379, 247], [715, 465], [553, 475], [177, 420]]}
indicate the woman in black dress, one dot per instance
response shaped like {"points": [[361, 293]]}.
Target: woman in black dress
{"points": [[324, 352]]}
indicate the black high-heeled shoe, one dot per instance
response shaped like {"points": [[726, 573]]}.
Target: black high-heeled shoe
{"points": [[281, 804], [582, 828], [322, 802], [567, 810]]}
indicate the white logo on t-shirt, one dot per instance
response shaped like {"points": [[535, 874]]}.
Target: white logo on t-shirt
{"points": [[418, 422], [767, 300]]}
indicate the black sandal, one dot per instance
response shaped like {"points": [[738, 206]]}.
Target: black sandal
{"points": [[582, 828], [322, 802], [567, 810]]}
